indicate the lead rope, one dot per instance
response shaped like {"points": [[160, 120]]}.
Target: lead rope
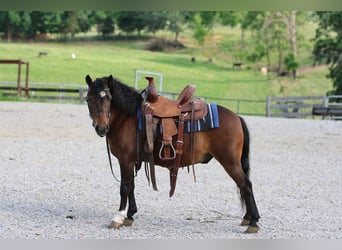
{"points": [[110, 161]]}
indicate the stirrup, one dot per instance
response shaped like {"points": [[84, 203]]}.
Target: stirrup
{"points": [[167, 158]]}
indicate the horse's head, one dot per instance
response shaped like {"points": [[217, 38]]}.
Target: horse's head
{"points": [[99, 100]]}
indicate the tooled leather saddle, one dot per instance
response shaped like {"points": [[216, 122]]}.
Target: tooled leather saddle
{"points": [[170, 116]]}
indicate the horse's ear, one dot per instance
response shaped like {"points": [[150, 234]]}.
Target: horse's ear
{"points": [[110, 78], [88, 80]]}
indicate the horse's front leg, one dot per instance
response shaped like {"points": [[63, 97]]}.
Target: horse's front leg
{"points": [[132, 207], [120, 216], [127, 195]]}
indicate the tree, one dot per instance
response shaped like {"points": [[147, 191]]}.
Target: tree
{"points": [[130, 21], [105, 22], [85, 20], [175, 22], [70, 23], [291, 64], [44, 22], [108, 27], [14, 23], [291, 25], [25, 23], [274, 32], [202, 24], [289, 19], [274, 36], [328, 45], [155, 20], [232, 19]]}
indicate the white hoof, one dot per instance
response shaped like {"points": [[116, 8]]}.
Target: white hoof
{"points": [[118, 220], [114, 225]]}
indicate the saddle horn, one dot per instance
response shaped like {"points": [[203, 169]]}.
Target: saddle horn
{"points": [[151, 91]]}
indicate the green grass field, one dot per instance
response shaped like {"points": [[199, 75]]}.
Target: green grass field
{"points": [[122, 58]]}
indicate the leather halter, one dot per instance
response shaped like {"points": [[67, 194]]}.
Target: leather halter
{"points": [[103, 93]]}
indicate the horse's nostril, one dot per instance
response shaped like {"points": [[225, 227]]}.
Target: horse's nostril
{"points": [[101, 130]]}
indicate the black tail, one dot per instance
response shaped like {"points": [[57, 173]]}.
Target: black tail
{"points": [[245, 148]]}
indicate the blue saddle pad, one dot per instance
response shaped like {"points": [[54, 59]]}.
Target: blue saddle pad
{"points": [[211, 120]]}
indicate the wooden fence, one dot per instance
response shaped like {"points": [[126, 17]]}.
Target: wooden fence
{"points": [[293, 107], [60, 93], [332, 108], [77, 94], [19, 62], [287, 107]]}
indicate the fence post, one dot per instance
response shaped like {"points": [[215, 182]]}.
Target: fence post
{"points": [[325, 101], [80, 93], [268, 106], [19, 78], [27, 79]]}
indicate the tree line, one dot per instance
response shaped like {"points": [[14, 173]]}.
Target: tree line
{"points": [[275, 33], [31, 24]]}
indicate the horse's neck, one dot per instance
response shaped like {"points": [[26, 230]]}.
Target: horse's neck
{"points": [[119, 120], [123, 135]]}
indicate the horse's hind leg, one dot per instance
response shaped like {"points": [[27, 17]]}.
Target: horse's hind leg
{"points": [[248, 197], [251, 217]]}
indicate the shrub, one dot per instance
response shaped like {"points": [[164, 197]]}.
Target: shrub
{"points": [[161, 44]]}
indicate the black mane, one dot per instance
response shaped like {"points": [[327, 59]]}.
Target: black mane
{"points": [[125, 98]]}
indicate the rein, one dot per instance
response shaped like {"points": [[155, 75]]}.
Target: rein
{"points": [[110, 161], [111, 165]]}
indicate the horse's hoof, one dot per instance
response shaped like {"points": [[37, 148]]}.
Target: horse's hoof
{"points": [[252, 229], [114, 225], [128, 222], [244, 222]]}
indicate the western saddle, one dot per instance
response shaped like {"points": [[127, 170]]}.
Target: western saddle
{"points": [[170, 114]]}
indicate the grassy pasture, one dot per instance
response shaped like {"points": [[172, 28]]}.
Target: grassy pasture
{"points": [[122, 58]]}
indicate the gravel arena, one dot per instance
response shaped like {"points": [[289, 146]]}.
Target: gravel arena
{"points": [[56, 182]]}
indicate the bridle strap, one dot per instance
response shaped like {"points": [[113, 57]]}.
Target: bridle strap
{"points": [[111, 165], [110, 161]]}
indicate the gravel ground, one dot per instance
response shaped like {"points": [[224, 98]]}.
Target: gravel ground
{"points": [[56, 182]]}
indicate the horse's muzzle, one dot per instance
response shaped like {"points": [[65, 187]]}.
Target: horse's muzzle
{"points": [[101, 130]]}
